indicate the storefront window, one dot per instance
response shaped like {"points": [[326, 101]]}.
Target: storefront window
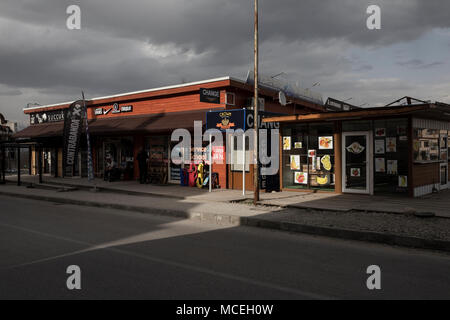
{"points": [[308, 157], [391, 163], [426, 145]]}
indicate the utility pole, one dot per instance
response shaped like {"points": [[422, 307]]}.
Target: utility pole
{"points": [[255, 107]]}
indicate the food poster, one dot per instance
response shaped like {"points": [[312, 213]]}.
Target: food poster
{"points": [[403, 181], [287, 143], [380, 132], [295, 162], [323, 181], [380, 165], [326, 143], [298, 145], [300, 178], [380, 146], [391, 144], [355, 148], [355, 172], [326, 162], [392, 167]]}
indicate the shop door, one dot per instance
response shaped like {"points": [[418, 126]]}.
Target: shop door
{"points": [[357, 163]]}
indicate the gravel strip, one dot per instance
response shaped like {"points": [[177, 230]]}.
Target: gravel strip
{"points": [[397, 224]]}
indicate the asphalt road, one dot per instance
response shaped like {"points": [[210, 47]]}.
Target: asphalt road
{"points": [[125, 255]]}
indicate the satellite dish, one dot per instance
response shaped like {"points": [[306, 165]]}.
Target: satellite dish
{"points": [[282, 98]]}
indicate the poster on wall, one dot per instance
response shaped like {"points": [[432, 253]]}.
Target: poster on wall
{"points": [[312, 153], [392, 167], [326, 162], [300, 178], [355, 148], [380, 132], [298, 145], [403, 181], [287, 143], [295, 162], [355, 172], [391, 144], [379, 146], [323, 181], [380, 165], [326, 143]]}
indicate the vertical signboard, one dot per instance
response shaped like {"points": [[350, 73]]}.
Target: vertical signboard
{"points": [[72, 134]]}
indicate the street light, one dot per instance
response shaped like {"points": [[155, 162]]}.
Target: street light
{"points": [[256, 167]]}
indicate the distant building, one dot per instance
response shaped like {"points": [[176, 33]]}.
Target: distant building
{"points": [[7, 129]]}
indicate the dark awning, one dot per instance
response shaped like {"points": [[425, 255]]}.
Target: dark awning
{"points": [[46, 130], [155, 123]]}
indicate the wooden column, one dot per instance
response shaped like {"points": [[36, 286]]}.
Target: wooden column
{"points": [[338, 157]]}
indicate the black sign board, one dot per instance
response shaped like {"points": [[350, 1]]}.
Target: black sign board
{"points": [[72, 133], [210, 96], [226, 120], [48, 116]]}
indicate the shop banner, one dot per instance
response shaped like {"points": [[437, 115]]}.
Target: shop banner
{"points": [[72, 132], [90, 163], [226, 120]]}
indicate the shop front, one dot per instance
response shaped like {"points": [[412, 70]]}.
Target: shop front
{"points": [[394, 150]]}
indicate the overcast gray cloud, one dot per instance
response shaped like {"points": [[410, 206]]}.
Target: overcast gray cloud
{"points": [[139, 44]]}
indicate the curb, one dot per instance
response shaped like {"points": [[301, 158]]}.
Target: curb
{"points": [[232, 220], [111, 190]]}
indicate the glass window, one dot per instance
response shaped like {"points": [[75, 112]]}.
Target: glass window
{"points": [[308, 156], [426, 145], [391, 149]]}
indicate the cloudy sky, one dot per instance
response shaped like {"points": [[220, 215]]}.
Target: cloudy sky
{"points": [[140, 44]]}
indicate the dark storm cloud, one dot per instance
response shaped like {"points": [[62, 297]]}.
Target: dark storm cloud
{"points": [[138, 44], [419, 64]]}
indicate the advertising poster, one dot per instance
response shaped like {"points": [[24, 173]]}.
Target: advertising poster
{"points": [[391, 144], [355, 172], [403, 181], [298, 145], [380, 132], [287, 143], [392, 167], [380, 165], [326, 143], [380, 146], [300, 178], [295, 162]]}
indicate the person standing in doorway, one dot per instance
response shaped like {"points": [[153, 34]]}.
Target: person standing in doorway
{"points": [[143, 166]]}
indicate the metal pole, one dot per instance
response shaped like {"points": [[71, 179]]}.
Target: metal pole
{"points": [[18, 166], [210, 163], [243, 161], [256, 168]]}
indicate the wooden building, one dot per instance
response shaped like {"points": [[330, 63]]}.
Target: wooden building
{"points": [[401, 148]]}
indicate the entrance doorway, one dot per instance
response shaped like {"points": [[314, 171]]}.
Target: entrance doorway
{"points": [[357, 164]]}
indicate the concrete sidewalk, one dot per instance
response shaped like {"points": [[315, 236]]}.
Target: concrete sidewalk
{"points": [[438, 204]]}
